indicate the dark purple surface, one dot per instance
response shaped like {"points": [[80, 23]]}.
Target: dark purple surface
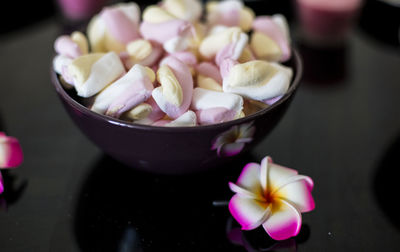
{"points": [[168, 149]]}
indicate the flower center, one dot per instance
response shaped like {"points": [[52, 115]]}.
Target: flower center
{"points": [[268, 198], [272, 199]]}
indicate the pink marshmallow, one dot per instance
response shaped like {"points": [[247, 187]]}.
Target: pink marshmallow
{"points": [[119, 25], [226, 66], [124, 56], [210, 70], [214, 115], [64, 45], [272, 100], [156, 113], [229, 18], [265, 25], [154, 56], [161, 122], [186, 57], [184, 77], [136, 94], [149, 61], [161, 32], [225, 53]]}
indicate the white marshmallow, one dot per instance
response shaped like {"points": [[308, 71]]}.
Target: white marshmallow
{"points": [[206, 99], [131, 89], [104, 71], [258, 80], [177, 44], [281, 21], [60, 62], [187, 119], [189, 10]]}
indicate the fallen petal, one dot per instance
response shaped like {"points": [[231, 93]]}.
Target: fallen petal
{"points": [[10, 152]]}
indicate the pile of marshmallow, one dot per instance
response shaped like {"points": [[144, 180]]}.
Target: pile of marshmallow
{"points": [[178, 66]]}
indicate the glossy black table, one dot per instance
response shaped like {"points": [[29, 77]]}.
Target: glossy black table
{"points": [[342, 129]]}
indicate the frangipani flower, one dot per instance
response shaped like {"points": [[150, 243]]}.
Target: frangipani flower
{"points": [[232, 141], [10, 154], [272, 196]]}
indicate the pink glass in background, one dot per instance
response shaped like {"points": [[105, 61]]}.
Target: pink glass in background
{"points": [[327, 22], [80, 9]]}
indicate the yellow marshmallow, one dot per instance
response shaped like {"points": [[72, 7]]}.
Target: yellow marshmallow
{"points": [[176, 7], [150, 73], [80, 39], [264, 47], [96, 34], [246, 55], [246, 19], [252, 106], [141, 111], [139, 49], [208, 83], [252, 73], [241, 114], [112, 44], [80, 67], [184, 9], [155, 14], [200, 31], [211, 6], [215, 42], [171, 88], [100, 39]]}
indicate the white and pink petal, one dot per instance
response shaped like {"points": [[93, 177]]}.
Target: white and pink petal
{"points": [[248, 212], [277, 175], [10, 152], [284, 222], [298, 193], [249, 179]]}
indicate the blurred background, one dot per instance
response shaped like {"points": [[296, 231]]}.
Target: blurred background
{"points": [[380, 19]]}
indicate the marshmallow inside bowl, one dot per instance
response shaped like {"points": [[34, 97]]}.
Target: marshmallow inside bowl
{"points": [[167, 91], [167, 150]]}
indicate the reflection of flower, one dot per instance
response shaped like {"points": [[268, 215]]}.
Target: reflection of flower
{"points": [[10, 154], [272, 196], [232, 141], [255, 242]]}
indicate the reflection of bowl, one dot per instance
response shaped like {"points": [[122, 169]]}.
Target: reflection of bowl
{"points": [[180, 149]]}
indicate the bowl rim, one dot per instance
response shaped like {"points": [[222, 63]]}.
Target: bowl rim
{"points": [[293, 87]]}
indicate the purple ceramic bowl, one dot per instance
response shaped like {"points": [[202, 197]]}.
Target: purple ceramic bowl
{"points": [[177, 149]]}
